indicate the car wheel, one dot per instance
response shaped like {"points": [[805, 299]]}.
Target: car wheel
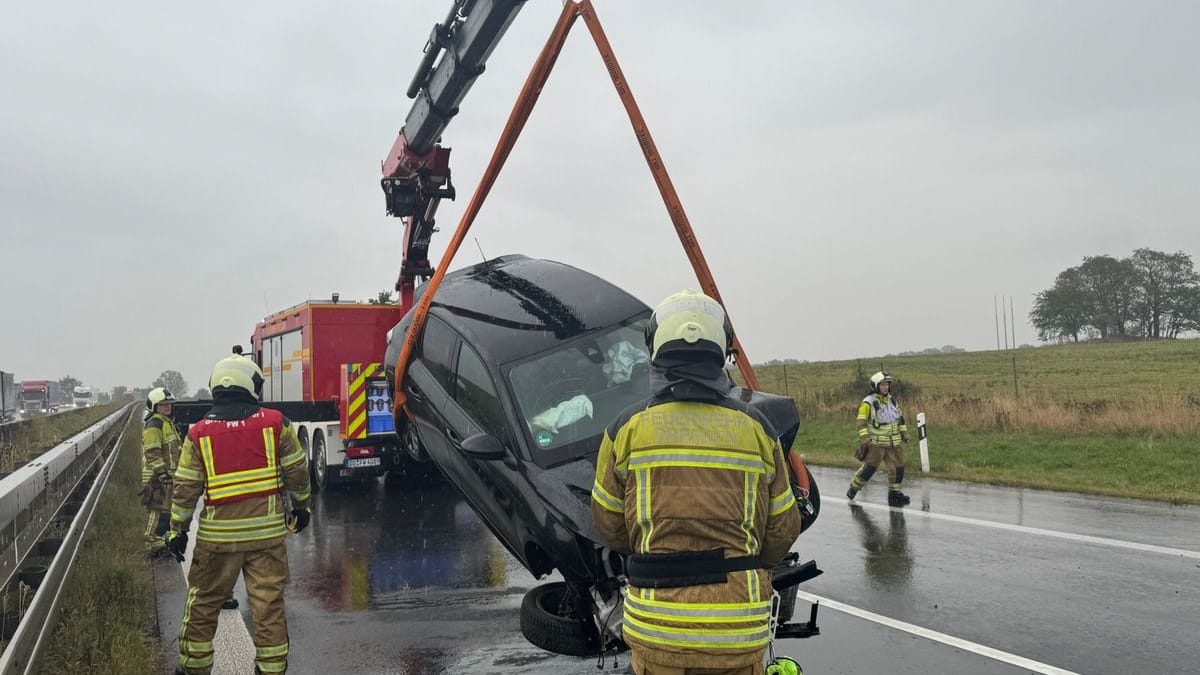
{"points": [[814, 498], [412, 444], [551, 619], [318, 468]]}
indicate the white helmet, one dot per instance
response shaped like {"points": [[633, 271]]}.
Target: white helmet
{"points": [[237, 371], [689, 321], [158, 395], [879, 378]]}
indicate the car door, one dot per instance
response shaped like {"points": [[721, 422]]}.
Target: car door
{"points": [[428, 386], [477, 409]]}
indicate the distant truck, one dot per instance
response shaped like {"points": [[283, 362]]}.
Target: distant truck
{"points": [[83, 398], [8, 397], [39, 397]]}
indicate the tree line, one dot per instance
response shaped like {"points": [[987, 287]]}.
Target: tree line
{"points": [[1147, 295]]}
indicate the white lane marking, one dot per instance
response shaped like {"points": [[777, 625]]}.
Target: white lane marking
{"points": [[965, 645], [1024, 529]]}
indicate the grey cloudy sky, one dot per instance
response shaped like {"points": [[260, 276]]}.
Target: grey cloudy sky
{"points": [[863, 176]]}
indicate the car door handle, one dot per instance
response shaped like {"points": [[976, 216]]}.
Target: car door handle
{"points": [[455, 439], [414, 393]]}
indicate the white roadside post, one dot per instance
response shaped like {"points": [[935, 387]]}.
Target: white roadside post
{"points": [[923, 441]]}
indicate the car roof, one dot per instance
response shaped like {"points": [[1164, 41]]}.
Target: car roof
{"points": [[514, 306]]}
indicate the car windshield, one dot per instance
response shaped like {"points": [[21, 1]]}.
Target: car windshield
{"points": [[566, 396]]}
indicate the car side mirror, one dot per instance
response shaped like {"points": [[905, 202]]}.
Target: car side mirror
{"points": [[484, 446]]}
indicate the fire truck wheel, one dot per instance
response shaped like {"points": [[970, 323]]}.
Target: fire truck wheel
{"points": [[318, 469]]}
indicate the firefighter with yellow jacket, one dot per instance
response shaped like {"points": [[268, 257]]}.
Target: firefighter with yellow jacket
{"points": [[160, 456], [692, 486], [881, 435], [248, 463]]}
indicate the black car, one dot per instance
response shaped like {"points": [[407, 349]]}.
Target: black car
{"points": [[521, 366]]}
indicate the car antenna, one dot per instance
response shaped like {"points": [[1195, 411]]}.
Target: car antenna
{"points": [[480, 250]]}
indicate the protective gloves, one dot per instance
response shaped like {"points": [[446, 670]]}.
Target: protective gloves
{"points": [[177, 544], [299, 520]]}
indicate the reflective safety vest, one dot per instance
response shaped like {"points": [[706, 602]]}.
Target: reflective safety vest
{"points": [[160, 446], [240, 460], [879, 417]]}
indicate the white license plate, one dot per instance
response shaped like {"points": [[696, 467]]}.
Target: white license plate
{"points": [[365, 461]]}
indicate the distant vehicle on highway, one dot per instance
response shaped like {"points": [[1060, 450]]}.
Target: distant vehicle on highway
{"points": [[40, 397], [82, 397], [521, 366], [8, 397]]}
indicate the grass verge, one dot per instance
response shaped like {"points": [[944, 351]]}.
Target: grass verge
{"points": [[1143, 466], [30, 438], [107, 620]]}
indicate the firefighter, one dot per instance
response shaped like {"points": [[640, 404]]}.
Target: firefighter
{"points": [[248, 463], [692, 486], [881, 435], [160, 456]]}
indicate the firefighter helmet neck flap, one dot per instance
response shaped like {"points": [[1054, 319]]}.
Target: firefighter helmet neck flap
{"points": [[236, 372], [689, 322], [158, 395]]}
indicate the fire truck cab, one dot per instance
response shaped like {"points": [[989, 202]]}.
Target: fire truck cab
{"points": [[320, 364]]}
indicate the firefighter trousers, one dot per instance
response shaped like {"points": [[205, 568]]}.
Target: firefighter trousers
{"points": [[891, 456], [643, 666], [210, 584], [157, 524]]}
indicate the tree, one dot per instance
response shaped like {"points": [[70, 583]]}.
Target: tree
{"points": [[119, 393], [1164, 280], [68, 384], [103, 397], [384, 298], [1111, 287], [1063, 310], [202, 394], [171, 380]]}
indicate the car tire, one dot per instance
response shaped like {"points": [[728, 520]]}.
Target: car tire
{"points": [[814, 498], [318, 468], [546, 624]]}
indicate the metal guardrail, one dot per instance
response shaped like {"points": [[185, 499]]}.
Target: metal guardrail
{"points": [[30, 499]]}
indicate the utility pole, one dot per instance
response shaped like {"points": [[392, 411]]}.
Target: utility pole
{"points": [[1013, 314], [996, 315], [1004, 315]]}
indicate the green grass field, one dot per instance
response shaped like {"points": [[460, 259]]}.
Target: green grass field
{"points": [[1113, 419]]}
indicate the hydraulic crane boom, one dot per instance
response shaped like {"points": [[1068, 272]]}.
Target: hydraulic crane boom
{"points": [[416, 172]]}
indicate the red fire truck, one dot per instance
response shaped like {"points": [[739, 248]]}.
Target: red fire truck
{"points": [[320, 360]]}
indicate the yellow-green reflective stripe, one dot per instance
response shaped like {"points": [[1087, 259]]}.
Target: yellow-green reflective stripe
{"points": [[301, 496], [685, 612], [715, 638], [240, 476], [195, 648], [749, 500], [206, 454], [782, 503], [241, 523], [606, 500], [180, 512], [269, 446], [643, 501], [268, 652], [187, 612], [263, 485], [271, 666], [240, 536], [188, 474], [293, 457], [190, 662], [693, 458]]}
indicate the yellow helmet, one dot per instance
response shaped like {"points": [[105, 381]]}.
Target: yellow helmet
{"points": [[237, 371], [691, 321], [879, 378], [158, 395]]}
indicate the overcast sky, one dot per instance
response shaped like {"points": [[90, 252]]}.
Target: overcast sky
{"points": [[863, 177]]}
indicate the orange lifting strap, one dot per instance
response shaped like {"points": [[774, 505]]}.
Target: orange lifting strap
{"points": [[516, 122]]}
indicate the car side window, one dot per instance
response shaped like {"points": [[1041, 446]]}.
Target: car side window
{"points": [[437, 351], [477, 395]]}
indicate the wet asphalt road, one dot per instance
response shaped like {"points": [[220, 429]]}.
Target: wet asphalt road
{"points": [[411, 581]]}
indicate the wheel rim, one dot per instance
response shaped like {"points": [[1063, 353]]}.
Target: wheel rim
{"points": [[319, 463], [413, 443]]}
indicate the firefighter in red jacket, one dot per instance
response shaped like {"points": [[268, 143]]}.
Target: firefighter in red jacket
{"points": [[693, 485], [248, 464]]}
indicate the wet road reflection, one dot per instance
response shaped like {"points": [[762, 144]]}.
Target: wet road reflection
{"points": [[887, 559]]}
